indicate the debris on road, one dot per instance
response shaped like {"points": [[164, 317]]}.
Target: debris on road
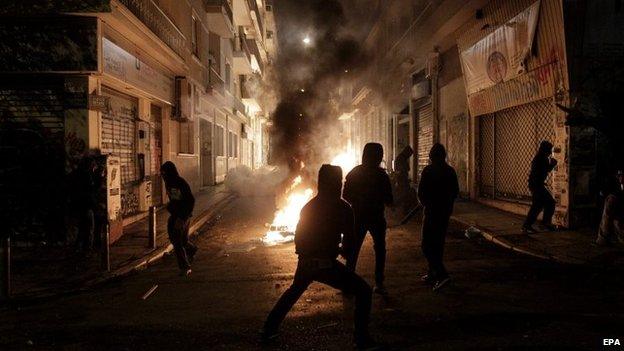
{"points": [[149, 292], [328, 325], [472, 232]]}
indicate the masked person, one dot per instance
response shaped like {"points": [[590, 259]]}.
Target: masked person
{"points": [[180, 207], [541, 199], [437, 191], [611, 229], [368, 190], [317, 243]]}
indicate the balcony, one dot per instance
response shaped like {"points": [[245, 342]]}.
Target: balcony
{"points": [[248, 97], [220, 17], [242, 12], [242, 55], [158, 22], [215, 82]]}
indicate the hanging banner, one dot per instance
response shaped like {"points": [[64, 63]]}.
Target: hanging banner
{"points": [[500, 56]]}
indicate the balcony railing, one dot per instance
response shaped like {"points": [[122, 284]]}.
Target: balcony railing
{"points": [[219, 5], [157, 21], [216, 83], [240, 45], [253, 6]]}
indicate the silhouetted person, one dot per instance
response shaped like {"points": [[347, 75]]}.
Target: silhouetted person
{"points": [[317, 242], [180, 207], [611, 229], [541, 199], [83, 202], [368, 189], [437, 191]]}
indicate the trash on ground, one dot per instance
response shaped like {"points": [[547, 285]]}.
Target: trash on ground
{"points": [[472, 232], [149, 292]]}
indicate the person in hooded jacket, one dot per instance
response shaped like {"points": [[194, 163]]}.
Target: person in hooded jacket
{"points": [[437, 190], [317, 243], [541, 199], [180, 207], [368, 190]]}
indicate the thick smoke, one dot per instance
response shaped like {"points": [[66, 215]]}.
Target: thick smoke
{"points": [[307, 78]]}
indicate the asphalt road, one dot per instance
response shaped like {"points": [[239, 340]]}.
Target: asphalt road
{"points": [[498, 300]]}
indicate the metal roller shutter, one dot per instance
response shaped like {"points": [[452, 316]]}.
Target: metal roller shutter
{"points": [[425, 136], [508, 142]]}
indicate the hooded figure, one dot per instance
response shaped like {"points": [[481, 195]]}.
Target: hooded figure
{"points": [[180, 207], [317, 241], [611, 229], [541, 199], [437, 191], [368, 190]]}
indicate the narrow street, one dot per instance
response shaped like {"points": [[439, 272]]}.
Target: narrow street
{"points": [[498, 300]]}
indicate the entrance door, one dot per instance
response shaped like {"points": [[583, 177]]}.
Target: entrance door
{"points": [[156, 146], [425, 137], [205, 130]]}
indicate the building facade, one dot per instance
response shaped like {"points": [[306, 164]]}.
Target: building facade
{"points": [[484, 77], [147, 81]]}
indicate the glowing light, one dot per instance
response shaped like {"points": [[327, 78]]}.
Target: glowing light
{"points": [[307, 40], [346, 160], [282, 230], [302, 90]]}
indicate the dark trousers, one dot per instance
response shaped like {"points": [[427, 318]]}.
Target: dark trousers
{"points": [[179, 237], [85, 229], [433, 238], [377, 228], [334, 274], [542, 200]]}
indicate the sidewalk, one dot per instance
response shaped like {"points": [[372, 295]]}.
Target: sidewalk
{"points": [[565, 246], [48, 271]]}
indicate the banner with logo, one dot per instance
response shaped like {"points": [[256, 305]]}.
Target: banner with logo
{"points": [[500, 56]]}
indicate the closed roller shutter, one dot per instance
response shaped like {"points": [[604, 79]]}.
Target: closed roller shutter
{"points": [[509, 140], [119, 138], [425, 136]]}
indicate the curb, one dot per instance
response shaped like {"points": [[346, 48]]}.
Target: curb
{"points": [[489, 236], [138, 264]]}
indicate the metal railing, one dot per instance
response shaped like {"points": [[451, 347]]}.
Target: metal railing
{"points": [[215, 81], [157, 21], [240, 45]]}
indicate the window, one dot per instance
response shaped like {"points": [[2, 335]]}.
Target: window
{"points": [[195, 36], [232, 145], [269, 34], [187, 144], [269, 8], [219, 140]]}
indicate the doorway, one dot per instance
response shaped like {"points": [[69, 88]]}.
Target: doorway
{"points": [[205, 130]]}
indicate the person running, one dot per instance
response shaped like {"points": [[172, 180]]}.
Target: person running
{"points": [[437, 191], [541, 199], [368, 190], [180, 207], [317, 243]]}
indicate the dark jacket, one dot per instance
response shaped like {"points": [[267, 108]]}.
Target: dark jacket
{"points": [[368, 189], [541, 166], [181, 200], [323, 220], [438, 187], [82, 190]]}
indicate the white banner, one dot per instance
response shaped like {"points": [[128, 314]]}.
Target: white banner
{"points": [[499, 57]]}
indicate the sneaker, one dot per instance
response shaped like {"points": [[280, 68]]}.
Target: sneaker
{"points": [[185, 272], [550, 227], [267, 335], [527, 229], [440, 283], [427, 279], [380, 289]]}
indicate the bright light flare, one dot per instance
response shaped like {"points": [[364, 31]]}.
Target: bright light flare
{"points": [[282, 230], [346, 161], [307, 40]]}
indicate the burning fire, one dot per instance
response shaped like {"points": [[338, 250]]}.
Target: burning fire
{"points": [[346, 161], [282, 230]]}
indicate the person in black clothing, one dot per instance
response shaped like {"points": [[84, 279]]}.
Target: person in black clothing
{"points": [[83, 202], [368, 189], [437, 191], [180, 207], [611, 230], [542, 200], [317, 243]]}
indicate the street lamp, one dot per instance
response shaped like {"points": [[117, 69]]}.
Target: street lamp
{"points": [[307, 41]]}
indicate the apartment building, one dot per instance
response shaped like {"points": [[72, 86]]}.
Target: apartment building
{"points": [[144, 80]]}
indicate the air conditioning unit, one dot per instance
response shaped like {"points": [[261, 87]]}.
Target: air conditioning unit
{"points": [[183, 99]]}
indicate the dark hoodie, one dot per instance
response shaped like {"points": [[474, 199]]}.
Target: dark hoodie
{"points": [[541, 165], [438, 187], [324, 218], [181, 200], [367, 186]]}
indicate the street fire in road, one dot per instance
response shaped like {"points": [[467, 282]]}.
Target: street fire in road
{"points": [[282, 229]]}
